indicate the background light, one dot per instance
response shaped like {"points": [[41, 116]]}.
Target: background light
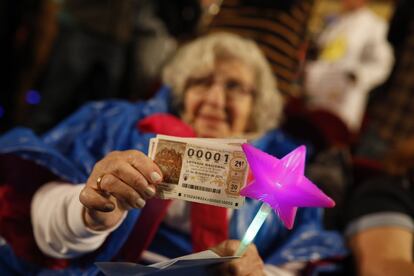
{"points": [[33, 97]]}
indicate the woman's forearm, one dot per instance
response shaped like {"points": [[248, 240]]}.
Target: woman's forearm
{"points": [[387, 267], [59, 227]]}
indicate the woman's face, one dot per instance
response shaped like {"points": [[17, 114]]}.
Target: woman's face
{"points": [[219, 104]]}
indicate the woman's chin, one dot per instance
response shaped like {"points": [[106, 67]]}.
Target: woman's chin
{"points": [[209, 130], [210, 133]]}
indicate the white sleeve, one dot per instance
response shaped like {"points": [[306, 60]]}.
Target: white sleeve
{"points": [[57, 220]]}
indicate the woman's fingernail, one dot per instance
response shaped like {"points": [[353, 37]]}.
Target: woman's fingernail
{"points": [[140, 202], [150, 191], [155, 177], [109, 207]]}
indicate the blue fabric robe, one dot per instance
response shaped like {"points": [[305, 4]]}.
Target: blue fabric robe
{"points": [[71, 149]]}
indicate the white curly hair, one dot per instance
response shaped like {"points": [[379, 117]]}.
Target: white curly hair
{"points": [[199, 56]]}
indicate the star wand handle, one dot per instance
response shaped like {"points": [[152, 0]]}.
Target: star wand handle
{"points": [[253, 228]]}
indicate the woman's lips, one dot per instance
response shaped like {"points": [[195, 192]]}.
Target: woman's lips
{"points": [[211, 119]]}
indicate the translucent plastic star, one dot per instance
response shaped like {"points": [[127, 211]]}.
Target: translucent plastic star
{"points": [[281, 183]]}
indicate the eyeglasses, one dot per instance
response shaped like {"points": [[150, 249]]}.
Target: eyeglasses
{"points": [[232, 87]]}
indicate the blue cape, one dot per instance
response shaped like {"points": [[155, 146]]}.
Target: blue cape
{"points": [[72, 148]]}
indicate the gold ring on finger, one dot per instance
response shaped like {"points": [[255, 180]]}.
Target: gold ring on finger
{"points": [[98, 182]]}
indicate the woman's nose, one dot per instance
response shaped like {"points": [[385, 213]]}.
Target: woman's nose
{"points": [[216, 95]]}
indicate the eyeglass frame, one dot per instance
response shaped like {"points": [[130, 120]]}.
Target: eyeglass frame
{"points": [[233, 88]]}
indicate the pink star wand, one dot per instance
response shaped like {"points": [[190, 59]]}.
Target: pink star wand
{"points": [[282, 186]]}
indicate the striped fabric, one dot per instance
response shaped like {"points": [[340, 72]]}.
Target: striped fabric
{"points": [[392, 115], [280, 33]]}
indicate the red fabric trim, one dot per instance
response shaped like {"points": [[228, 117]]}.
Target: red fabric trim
{"points": [[19, 180], [208, 223], [162, 123], [144, 230], [209, 226]]}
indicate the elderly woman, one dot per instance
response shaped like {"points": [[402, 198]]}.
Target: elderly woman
{"points": [[220, 86]]}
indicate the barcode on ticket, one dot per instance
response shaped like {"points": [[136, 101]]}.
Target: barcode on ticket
{"points": [[201, 188]]}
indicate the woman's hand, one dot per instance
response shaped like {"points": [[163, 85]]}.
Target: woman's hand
{"points": [[122, 180], [248, 264]]}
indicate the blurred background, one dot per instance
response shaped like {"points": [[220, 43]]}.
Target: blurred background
{"points": [[324, 10], [58, 54]]}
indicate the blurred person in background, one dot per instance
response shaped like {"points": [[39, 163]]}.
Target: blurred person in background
{"points": [[18, 32], [107, 49], [391, 106], [219, 86], [380, 216], [278, 27], [354, 57]]}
